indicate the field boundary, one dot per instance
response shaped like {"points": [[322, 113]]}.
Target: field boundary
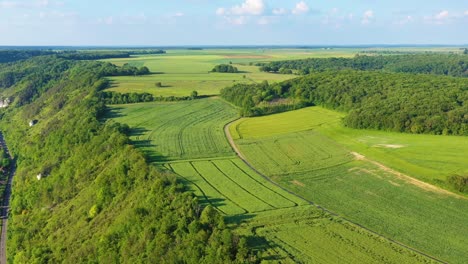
{"points": [[241, 156]]}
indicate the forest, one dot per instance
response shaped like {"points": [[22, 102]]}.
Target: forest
{"points": [[440, 64], [398, 102], [98, 200], [12, 55]]}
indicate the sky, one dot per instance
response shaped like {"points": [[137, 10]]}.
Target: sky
{"points": [[232, 22]]}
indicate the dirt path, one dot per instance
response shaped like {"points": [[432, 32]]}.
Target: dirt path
{"points": [[6, 203], [423, 185], [357, 155]]}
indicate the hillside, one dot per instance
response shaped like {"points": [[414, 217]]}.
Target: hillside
{"points": [[98, 200]]}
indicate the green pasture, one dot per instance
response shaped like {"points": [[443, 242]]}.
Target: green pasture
{"points": [[427, 157], [182, 71], [187, 138], [178, 130], [309, 152]]}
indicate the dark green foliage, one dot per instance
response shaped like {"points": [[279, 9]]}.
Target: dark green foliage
{"points": [[127, 98], [376, 100], [194, 95], [131, 98], [23, 54], [16, 55], [99, 201], [440, 64], [225, 68], [459, 182]]}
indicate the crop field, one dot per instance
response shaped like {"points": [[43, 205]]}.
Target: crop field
{"points": [[291, 230], [182, 71], [178, 131], [306, 235], [344, 170], [429, 158], [236, 189]]}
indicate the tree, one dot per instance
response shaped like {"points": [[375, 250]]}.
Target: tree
{"points": [[194, 94]]}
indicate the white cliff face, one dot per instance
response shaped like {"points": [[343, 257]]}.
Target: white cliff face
{"points": [[4, 102]]}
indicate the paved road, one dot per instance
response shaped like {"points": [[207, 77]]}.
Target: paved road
{"points": [[6, 203]]}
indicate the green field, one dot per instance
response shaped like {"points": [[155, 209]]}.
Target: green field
{"points": [[352, 172], [182, 71], [426, 157], [178, 131], [187, 138]]}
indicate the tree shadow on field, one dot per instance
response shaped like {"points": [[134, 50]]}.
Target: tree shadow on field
{"points": [[113, 112], [147, 147], [238, 219]]}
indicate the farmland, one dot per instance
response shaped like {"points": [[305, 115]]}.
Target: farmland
{"points": [[182, 71], [289, 227], [356, 174], [179, 131]]}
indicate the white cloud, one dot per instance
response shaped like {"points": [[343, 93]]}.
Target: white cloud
{"points": [[241, 20], [279, 11], [405, 20], [179, 14], [30, 4], [442, 15], [221, 11], [241, 14], [9, 4], [300, 8], [367, 17], [249, 7], [466, 13]]}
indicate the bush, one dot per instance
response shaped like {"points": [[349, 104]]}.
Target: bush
{"points": [[225, 68], [459, 182]]}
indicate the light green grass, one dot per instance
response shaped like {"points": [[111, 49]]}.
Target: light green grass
{"points": [[308, 235], [178, 131], [427, 157], [306, 151], [182, 71], [204, 189]]}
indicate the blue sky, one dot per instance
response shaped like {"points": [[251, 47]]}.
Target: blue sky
{"points": [[232, 22]]}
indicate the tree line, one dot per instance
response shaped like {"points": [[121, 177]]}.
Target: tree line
{"points": [[398, 102], [439, 64], [12, 55], [98, 200], [110, 98]]}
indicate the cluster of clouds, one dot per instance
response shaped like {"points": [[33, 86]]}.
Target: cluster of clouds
{"points": [[257, 10], [30, 4], [445, 17]]}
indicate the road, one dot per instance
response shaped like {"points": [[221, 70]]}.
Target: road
{"points": [[6, 203]]}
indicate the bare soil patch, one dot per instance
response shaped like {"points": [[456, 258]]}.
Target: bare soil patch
{"points": [[298, 183], [392, 146], [423, 185]]}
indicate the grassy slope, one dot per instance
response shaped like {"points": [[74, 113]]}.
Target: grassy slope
{"points": [[323, 170], [292, 230]]}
